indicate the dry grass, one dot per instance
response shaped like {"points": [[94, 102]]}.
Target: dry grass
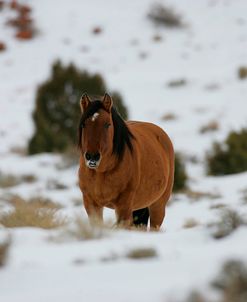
{"points": [[28, 178], [157, 38], [8, 180], [242, 72], [53, 184], [218, 206], [4, 248], [141, 253], [244, 196], [169, 117], [22, 151], [36, 212], [230, 220], [210, 127], [163, 15], [190, 223], [177, 83], [231, 284], [197, 195], [82, 230]]}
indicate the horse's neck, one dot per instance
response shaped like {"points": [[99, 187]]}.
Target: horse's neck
{"points": [[112, 162]]}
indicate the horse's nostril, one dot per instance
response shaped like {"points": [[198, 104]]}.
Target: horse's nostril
{"points": [[88, 156], [92, 156], [96, 156]]}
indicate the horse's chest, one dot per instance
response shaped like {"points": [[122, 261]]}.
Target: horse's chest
{"points": [[103, 190]]}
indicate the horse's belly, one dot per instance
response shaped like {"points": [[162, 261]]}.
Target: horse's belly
{"points": [[154, 164], [153, 180], [149, 192]]}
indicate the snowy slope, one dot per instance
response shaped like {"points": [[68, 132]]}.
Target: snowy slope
{"points": [[206, 53]]}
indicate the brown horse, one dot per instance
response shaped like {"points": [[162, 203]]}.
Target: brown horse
{"points": [[126, 166]]}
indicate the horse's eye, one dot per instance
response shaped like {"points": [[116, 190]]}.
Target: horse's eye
{"points": [[107, 125]]}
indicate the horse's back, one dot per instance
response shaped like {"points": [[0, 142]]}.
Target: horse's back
{"points": [[151, 134]]}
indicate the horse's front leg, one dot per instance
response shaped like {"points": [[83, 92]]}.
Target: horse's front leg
{"points": [[123, 209], [94, 212]]}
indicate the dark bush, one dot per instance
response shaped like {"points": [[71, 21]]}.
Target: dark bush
{"points": [[180, 177], [57, 107], [229, 222], [229, 157]]}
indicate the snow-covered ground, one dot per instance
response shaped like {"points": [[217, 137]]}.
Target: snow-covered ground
{"points": [[207, 54]]}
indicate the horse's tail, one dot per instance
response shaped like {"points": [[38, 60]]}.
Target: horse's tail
{"points": [[140, 217]]}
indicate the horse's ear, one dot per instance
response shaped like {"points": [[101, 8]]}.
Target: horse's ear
{"points": [[84, 102], [107, 102]]}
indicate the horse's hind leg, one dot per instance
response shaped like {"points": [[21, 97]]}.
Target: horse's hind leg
{"points": [[157, 210], [157, 213], [140, 217]]}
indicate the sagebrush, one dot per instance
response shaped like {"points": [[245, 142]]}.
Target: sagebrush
{"points": [[180, 176], [57, 111], [230, 156], [231, 284]]}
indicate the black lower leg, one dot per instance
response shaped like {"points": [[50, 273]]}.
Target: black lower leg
{"points": [[140, 217]]}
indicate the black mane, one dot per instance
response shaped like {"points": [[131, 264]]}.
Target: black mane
{"points": [[122, 134]]}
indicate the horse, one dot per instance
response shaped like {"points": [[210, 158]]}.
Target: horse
{"points": [[127, 166]]}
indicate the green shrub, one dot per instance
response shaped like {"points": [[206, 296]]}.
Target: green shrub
{"points": [[180, 177], [57, 110], [229, 157]]}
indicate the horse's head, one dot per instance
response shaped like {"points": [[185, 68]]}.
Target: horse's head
{"points": [[96, 131]]}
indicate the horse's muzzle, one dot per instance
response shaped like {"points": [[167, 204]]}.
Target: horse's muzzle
{"points": [[92, 159]]}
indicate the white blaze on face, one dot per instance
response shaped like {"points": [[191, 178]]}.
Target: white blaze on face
{"points": [[96, 114]]}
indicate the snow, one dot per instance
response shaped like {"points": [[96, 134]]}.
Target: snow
{"points": [[206, 53]]}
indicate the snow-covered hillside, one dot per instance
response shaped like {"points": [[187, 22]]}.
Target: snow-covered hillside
{"points": [[206, 53]]}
